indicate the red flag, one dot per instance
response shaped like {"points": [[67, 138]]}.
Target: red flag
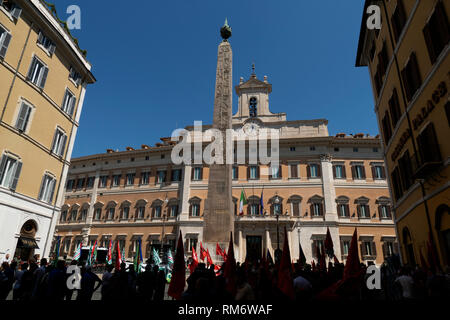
{"points": [[352, 266], [224, 254], [219, 251], [302, 258], [285, 282], [194, 262], [230, 268], [176, 286], [202, 252], [118, 257], [329, 244], [208, 257]]}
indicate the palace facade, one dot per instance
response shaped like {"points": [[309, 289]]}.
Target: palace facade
{"points": [[322, 181]]}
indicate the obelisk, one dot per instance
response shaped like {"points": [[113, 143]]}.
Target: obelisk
{"points": [[218, 216]]}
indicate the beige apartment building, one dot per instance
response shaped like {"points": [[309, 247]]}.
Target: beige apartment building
{"points": [[408, 61], [43, 79], [322, 181]]}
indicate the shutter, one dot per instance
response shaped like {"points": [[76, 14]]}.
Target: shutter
{"points": [[373, 172], [427, 35], [248, 173], [311, 210], [444, 28], [5, 44], [395, 247], [190, 210], [319, 171], [334, 172], [406, 83], [41, 189], [363, 172], [2, 167], [367, 210], [71, 108], [237, 172], [384, 248], [192, 173], [44, 77], [308, 171], [347, 210], [63, 145], [280, 172], [358, 210], [388, 209], [363, 249], [281, 208], [296, 209], [32, 66], [415, 73], [272, 209], [257, 172], [20, 123], [294, 173], [54, 141], [321, 209], [379, 212], [16, 11], [40, 37], [16, 176], [52, 49], [201, 173], [344, 175], [248, 210], [374, 248]]}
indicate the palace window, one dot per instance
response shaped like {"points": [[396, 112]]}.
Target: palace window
{"points": [[294, 170], [176, 175], [368, 248], [73, 215], [38, 72], [12, 8], [173, 210], [80, 183], [141, 212], [378, 172], [275, 172], [197, 173], [362, 207], [125, 212], [253, 172], [157, 211], [90, 182], [253, 108], [102, 181], [161, 176], [339, 171], [9, 172], [63, 216], [343, 207], [111, 212], [313, 171], [394, 108], [74, 76], [130, 179], [97, 213], [428, 145], [358, 171], [145, 178], [84, 213], [47, 188], [387, 130], [384, 211], [68, 104], [116, 180]]}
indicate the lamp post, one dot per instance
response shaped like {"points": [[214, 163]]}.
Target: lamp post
{"points": [[278, 252]]}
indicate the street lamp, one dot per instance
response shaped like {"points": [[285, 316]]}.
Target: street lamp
{"points": [[278, 252]]}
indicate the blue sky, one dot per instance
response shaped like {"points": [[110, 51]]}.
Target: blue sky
{"points": [[155, 64]]}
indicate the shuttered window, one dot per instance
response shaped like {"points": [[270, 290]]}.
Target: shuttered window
{"points": [[10, 169], [38, 72], [46, 42], [398, 20], [5, 39], [74, 76], [47, 188], [387, 130], [358, 172], [411, 77], [125, 212], [394, 108], [294, 170], [23, 117], [429, 150], [339, 171], [437, 32], [68, 104], [59, 143]]}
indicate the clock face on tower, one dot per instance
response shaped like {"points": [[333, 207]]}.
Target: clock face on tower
{"points": [[251, 128]]}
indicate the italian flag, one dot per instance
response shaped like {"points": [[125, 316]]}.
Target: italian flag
{"points": [[242, 202]]}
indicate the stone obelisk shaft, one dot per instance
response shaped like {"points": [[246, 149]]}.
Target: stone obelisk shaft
{"points": [[219, 216]]}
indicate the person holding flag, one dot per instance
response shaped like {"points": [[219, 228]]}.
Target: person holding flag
{"points": [[194, 262], [242, 203]]}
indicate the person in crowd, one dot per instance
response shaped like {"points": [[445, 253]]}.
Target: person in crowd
{"points": [[406, 283], [160, 286], [6, 280], [243, 289], [146, 283], [27, 282], [57, 282], [40, 281], [106, 282], [302, 286], [87, 284], [17, 287]]}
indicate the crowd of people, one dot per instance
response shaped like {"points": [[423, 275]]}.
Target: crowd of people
{"points": [[255, 280]]}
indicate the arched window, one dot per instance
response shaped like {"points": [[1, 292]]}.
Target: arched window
{"points": [[125, 208], [253, 107], [253, 207], [362, 208], [316, 206], [342, 206], [157, 208], [295, 201], [140, 209], [384, 208], [194, 207]]}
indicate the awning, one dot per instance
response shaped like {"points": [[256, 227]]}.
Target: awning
{"points": [[27, 243]]}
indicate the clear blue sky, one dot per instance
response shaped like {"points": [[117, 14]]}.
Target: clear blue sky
{"points": [[155, 64]]}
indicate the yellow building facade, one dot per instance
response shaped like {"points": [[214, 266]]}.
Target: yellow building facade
{"points": [[43, 79], [409, 66]]}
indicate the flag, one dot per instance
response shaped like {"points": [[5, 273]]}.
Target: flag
{"points": [[156, 258], [202, 252], [177, 282], [138, 257], [329, 244], [261, 203], [302, 258], [194, 262], [269, 257], [208, 257], [109, 256], [352, 266], [77, 254], [58, 244], [242, 203], [169, 258], [118, 257], [94, 252], [230, 268], [224, 255], [219, 251], [285, 282]]}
